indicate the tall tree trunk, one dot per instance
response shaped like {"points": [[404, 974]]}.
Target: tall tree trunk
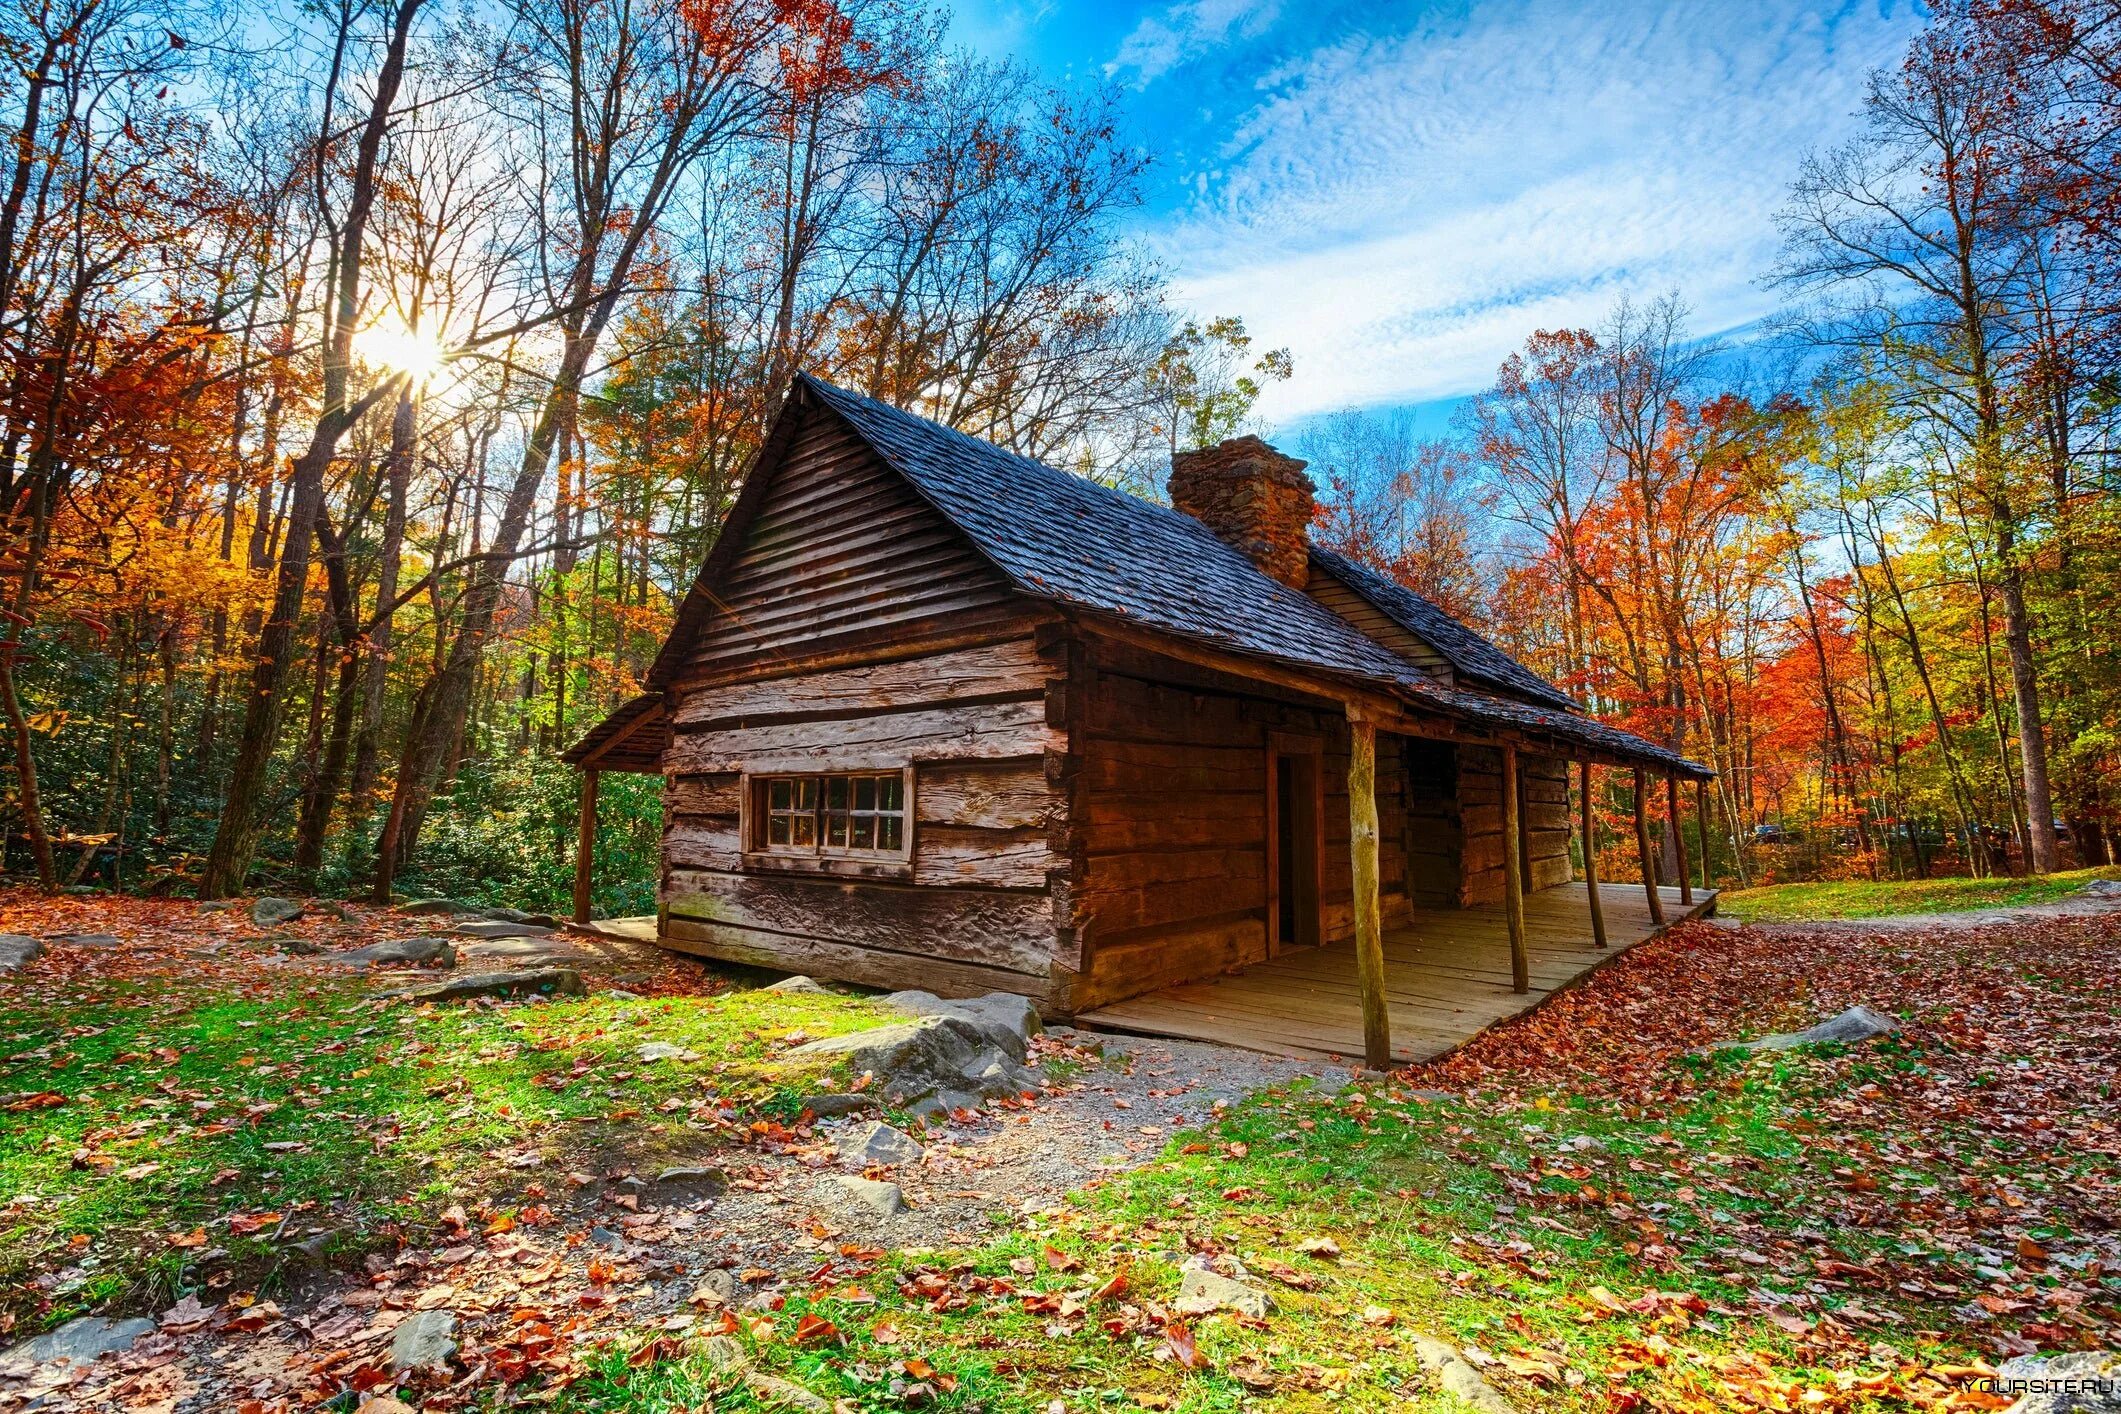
{"points": [[375, 661]]}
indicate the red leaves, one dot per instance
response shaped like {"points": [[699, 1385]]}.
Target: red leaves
{"points": [[815, 1330], [1178, 1339]]}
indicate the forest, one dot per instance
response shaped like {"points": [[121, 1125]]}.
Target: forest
{"points": [[374, 375]]}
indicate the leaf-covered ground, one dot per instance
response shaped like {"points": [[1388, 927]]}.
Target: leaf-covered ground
{"points": [[1884, 898], [1582, 1203]]}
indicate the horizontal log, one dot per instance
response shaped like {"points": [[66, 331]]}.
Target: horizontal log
{"points": [[840, 962], [986, 927], [992, 670], [1001, 795], [1144, 961], [1135, 766], [990, 731], [999, 859], [702, 842], [719, 794]]}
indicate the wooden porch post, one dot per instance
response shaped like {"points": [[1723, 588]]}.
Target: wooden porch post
{"points": [[1590, 860], [1369, 914], [1701, 829], [1513, 874], [1642, 846], [1678, 829], [585, 846]]}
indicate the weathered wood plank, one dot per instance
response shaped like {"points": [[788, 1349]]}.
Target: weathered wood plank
{"points": [[1000, 795], [991, 730], [999, 859], [730, 942], [990, 671], [986, 927]]}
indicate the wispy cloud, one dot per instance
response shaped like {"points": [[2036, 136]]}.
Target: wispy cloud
{"points": [[1401, 208], [1161, 42]]}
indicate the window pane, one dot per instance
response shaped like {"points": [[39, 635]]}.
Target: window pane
{"points": [[777, 829], [865, 792], [865, 832], [890, 832], [806, 793], [804, 830], [836, 829], [835, 792], [779, 794], [887, 793]]}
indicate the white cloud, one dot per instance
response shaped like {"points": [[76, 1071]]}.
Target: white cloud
{"points": [[1401, 210], [1159, 43]]}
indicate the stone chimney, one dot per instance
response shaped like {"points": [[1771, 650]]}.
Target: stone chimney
{"points": [[1254, 499]]}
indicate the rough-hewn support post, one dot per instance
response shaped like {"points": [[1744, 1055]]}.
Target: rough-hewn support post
{"points": [[1678, 829], [1642, 846], [1590, 860], [585, 847], [1369, 914], [1513, 874], [1701, 829]]}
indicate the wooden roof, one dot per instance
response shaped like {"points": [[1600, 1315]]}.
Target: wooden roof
{"points": [[1070, 541], [633, 738]]}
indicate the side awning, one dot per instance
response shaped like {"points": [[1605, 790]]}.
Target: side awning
{"points": [[633, 738]]}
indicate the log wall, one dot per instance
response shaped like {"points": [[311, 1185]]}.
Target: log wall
{"points": [[1546, 814]]}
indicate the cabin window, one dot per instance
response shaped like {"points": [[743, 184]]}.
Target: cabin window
{"points": [[852, 814]]}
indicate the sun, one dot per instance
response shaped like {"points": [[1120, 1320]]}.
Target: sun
{"points": [[389, 344]]}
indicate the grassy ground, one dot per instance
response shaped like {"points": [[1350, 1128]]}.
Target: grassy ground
{"points": [[1605, 1218], [152, 1118], [1858, 898]]}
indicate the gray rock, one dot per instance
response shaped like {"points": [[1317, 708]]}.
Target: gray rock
{"points": [[717, 1286], [2080, 1382], [294, 947], [797, 983], [1858, 1023], [502, 928], [424, 907], [216, 905], [517, 915], [17, 949], [90, 940], [422, 1339], [271, 912], [702, 1176], [834, 1105], [649, 1052], [540, 951], [883, 1199], [879, 1143], [1004, 1018], [541, 982], [1203, 1289], [916, 1059], [943, 1104], [428, 952], [722, 1353], [80, 1341], [2104, 888], [605, 1237], [1457, 1376]]}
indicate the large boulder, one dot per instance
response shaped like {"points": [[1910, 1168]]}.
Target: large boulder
{"points": [[2080, 1382], [17, 949], [1004, 1018], [538, 950], [915, 1059], [271, 912], [543, 981], [427, 952], [1858, 1023], [79, 1341], [502, 928]]}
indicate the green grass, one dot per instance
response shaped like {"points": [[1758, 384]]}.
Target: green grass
{"points": [[1858, 898], [338, 1114]]}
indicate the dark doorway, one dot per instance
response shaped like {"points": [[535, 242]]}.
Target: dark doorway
{"points": [[1296, 853]]}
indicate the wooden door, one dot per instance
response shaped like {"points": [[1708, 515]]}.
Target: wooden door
{"points": [[1295, 842]]}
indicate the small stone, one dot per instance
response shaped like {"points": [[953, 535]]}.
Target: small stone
{"points": [[271, 912], [517, 915], [294, 947], [1202, 1290], [216, 905], [90, 940], [712, 1179], [771, 1389], [835, 1105], [605, 1237], [423, 1339], [1458, 1377], [717, 1287], [80, 1341], [722, 1353], [421, 907], [502, 928], [17, 949], [651, 1051], [883, 1199], [878, 1143], [544, 981], [797, 983]]}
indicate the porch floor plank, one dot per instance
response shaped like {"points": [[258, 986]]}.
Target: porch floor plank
{"points": [[1447, 979]]}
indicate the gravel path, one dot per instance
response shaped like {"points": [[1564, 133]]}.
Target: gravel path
{"points": [[2084, 905]]}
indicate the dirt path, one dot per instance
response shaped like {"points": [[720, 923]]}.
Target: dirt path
{"points": [[2084, 905]]}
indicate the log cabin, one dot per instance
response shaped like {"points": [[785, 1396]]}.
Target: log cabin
{"points": [[936, 715]]}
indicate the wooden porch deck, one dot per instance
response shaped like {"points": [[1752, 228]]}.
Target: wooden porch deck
{"points": [[1447, 979]]}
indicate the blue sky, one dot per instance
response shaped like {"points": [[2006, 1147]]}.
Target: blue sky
{"points": [[1400, 192]]}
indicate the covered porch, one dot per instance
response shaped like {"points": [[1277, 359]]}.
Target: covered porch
{"points": [[1447, 977]]}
